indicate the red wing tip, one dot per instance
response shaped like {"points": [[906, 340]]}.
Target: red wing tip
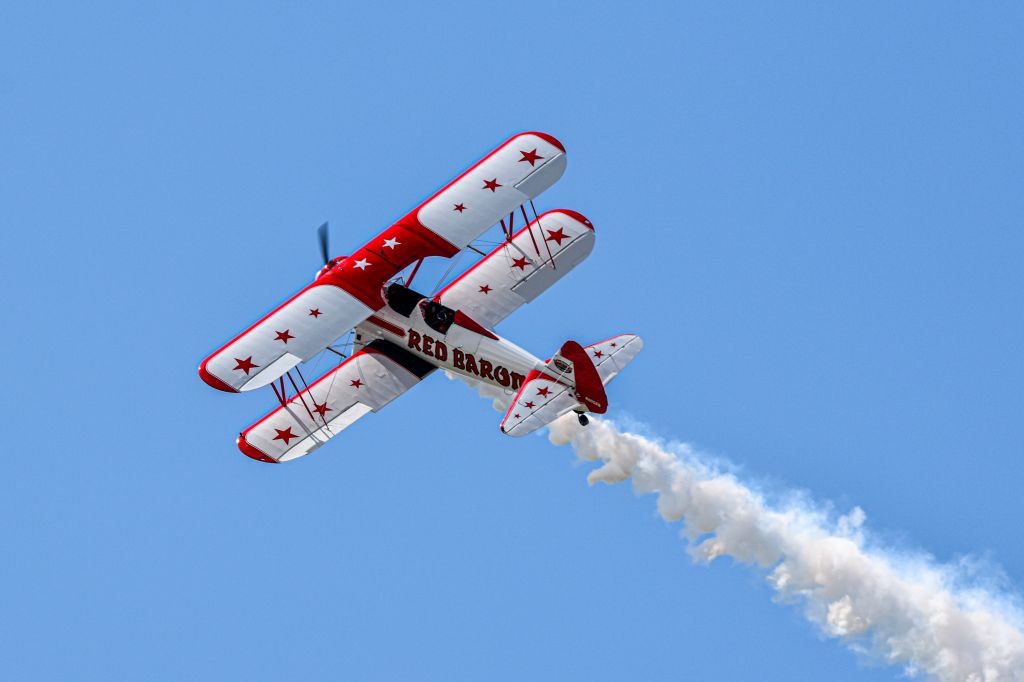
{"points": [[250, 451], [544, 136], [575, 215], [214, 381]]}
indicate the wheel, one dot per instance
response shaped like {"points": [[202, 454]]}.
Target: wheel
{"points": [[583, 419]]}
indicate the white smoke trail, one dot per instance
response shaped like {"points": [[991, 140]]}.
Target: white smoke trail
{"points": [[903, 608], [908, 610]]}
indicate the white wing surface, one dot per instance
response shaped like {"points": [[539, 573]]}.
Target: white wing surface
{"points": [[519, 270], [364, 383], [513, 174], [292, 333], [611, 355]]}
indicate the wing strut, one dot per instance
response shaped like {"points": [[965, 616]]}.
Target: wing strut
{"points": [[540, 227], [451, 265], [302, 398], [302, 378], [529, 226], [509, 234], [282, 395], [412, 274], [323, 419], [506, 230]]}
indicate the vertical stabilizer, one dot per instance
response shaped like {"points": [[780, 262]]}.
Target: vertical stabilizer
{"points": [[572, 381]]}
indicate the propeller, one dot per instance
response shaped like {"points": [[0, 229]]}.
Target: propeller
{"points": [[321, 235]]}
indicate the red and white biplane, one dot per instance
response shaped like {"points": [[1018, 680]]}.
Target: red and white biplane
{"points": [[401, 336]]}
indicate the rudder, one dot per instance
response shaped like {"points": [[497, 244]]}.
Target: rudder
{"points": [[571, 381]]}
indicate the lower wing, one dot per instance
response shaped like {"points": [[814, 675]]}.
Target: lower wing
{"points": [[364, 383]]}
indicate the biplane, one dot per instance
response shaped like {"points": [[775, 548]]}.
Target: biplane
{"points": [[399, 336]]}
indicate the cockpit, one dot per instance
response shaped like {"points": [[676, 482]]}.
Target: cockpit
{"points": [[438, 317], [404, 300]]}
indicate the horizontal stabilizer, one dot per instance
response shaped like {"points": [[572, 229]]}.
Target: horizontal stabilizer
{"points": [[546, 396], [612, 355]]}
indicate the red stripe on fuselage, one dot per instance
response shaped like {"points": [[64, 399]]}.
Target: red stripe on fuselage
{"points": [[385, 325]]}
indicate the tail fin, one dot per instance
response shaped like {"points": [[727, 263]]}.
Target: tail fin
{"points": [[575, 366], [573, 380]]}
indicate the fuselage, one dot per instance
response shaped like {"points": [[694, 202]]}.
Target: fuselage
{"points": [[450, 340]]}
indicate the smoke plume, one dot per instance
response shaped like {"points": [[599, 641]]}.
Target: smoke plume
{"points": [[935, 620], [905, 609]]}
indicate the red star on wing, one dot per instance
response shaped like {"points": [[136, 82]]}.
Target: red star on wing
{"points": [[321, 409], [459, 207], [492, 185], [598, 354], [556, 237], [614, 344], [531, 156], [485, 290], [315, 312], [285, 434], [356, 383], [543, 392], [516, 416], [284, 336], [245, 365], [520, 263], [529, 404]]}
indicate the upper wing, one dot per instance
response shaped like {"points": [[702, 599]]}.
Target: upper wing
{"points": [[365, 382], [517, 171], [519, 270]]}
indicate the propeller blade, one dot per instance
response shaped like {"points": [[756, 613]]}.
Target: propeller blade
{"points": [[321, 234]]}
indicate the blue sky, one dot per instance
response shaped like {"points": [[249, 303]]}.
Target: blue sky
{"points": [[811, 213]]}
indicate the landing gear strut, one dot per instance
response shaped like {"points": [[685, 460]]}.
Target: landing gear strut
{"points": [[583, 418]]}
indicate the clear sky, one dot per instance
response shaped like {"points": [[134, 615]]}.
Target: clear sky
{"points": [[812, 214]]}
